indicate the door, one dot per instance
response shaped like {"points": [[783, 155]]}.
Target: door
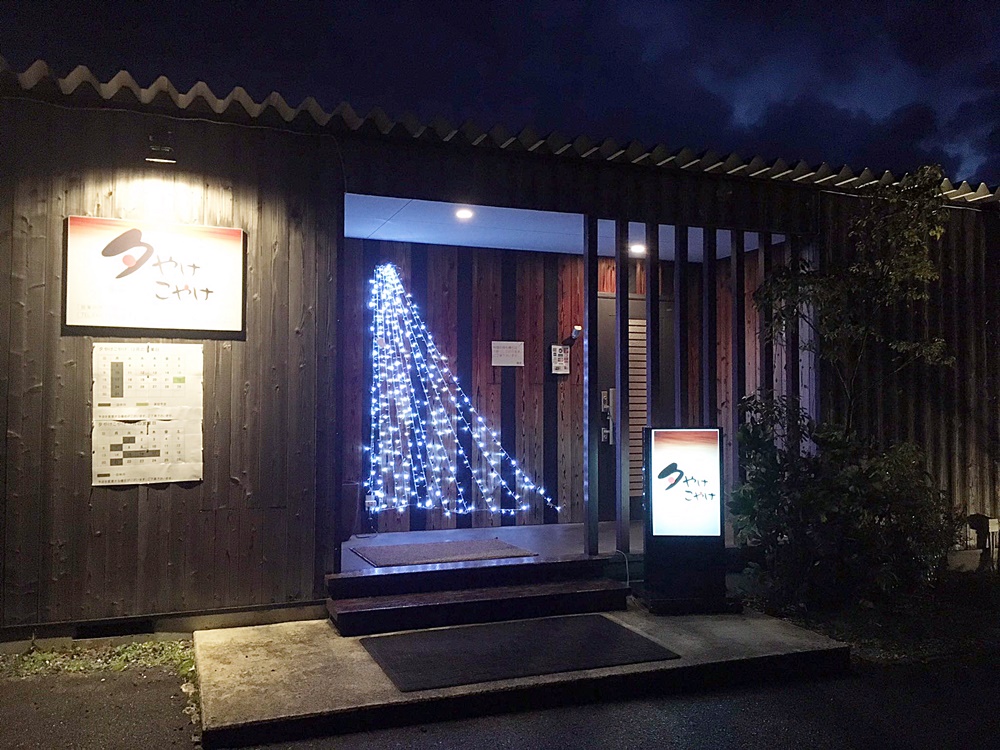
{"points": [[638, 391]]}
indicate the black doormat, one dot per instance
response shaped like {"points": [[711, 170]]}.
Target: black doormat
{"points": [[427, 659]]}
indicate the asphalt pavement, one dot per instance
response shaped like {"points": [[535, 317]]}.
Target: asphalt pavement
{"points": [[952, 704], [948, 704]]}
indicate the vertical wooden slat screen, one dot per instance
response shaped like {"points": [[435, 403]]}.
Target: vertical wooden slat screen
{"points": [[681, 327], [739, 349], [591, 388], [654, 398], [766, 353], [709, 320], [792, 342]]}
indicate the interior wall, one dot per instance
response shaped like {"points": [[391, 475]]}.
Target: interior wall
{"points": [[468, 298]]}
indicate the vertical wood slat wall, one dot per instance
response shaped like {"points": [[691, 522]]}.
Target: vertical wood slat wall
{"points": [[243, 536], [953, 412]]}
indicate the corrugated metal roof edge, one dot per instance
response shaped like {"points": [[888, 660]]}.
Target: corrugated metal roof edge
{"points": [[39, 82]]}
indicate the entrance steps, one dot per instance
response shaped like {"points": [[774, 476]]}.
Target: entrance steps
{"points": [[414, 597]]}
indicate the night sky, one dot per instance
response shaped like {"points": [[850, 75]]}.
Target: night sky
{"points": [[889, 85]]}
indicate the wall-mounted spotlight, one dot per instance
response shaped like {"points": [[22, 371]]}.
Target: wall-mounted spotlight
{"points": [[573, 336], [464, 214], [160, 148]]}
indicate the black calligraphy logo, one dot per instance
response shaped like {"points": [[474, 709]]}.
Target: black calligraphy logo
{"points": [[128, 240], [174, 288], [670, 471], [694, 488]]}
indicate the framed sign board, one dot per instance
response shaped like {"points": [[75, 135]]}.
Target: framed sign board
{"points": [[142, 278]]}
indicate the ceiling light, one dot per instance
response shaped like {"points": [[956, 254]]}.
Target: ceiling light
{"points": [[637, 249], [464, 214]]}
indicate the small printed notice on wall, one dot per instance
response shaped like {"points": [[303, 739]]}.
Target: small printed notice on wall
{"points": [[560, 359], [508, 354], [143, 275], [147, 415]]}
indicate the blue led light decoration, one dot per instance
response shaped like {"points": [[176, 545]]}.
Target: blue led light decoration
{"points": [[418, 411]]}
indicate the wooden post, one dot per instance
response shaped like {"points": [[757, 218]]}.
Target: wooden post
{"points": [[766, 344], [792, 346], [680, 326], [709, 322], [591, 389], [622, 505], [739, 358], [654, 399]]}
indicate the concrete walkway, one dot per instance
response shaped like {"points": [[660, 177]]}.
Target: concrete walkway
{"points": [[297, 679]]}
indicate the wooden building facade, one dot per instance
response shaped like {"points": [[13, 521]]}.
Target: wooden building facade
{"points": [[283, 407]]}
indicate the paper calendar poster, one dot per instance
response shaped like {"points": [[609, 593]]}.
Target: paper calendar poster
{"points": [[147, 413]]}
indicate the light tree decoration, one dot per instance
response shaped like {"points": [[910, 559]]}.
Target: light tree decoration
{"points": [[419, 411]]}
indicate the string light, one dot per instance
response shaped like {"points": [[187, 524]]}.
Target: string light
{"points": [[418, 412]]}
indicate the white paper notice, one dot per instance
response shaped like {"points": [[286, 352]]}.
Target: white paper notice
{"points": [[147, 415], [147, 381], [508, 353], [147, 451]]}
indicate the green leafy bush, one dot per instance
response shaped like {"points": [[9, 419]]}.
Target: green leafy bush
{"points": [[833, 519]]}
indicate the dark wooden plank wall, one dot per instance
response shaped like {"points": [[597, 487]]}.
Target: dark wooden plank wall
{"points": [[246, 534], [953, 412]]}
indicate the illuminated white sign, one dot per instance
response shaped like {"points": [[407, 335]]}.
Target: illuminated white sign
{"points": [[685, 478], [126, 274]]}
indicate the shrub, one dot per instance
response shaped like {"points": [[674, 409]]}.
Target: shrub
{"points": [[833, 519]]}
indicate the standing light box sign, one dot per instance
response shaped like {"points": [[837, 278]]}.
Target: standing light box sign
{"points": [[685, 482], [148, 276]]}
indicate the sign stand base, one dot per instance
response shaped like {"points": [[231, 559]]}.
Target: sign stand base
{"points": [[661, 603]]}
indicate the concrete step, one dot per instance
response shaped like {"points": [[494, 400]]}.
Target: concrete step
{"points": [[384, 614], [277, 683], [417, 579]]}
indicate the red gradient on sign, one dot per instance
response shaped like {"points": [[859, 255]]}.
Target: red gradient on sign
{"points": [[666, 439], [93, 229]]}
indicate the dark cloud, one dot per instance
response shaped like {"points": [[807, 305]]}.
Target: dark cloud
{"points": [[886, 85], [823, 132]]}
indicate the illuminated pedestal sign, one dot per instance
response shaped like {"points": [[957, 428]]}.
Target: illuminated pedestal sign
{"points": [[685, 545]]}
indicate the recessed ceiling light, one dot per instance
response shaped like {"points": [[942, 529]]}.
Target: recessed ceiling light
{"points": [[464, 214], [637, 249]]}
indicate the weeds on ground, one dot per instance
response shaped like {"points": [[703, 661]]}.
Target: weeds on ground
{"points": [[174, 656], [177, 656]]}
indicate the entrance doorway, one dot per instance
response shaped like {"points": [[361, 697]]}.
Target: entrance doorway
{"points": [[638, 393]]}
